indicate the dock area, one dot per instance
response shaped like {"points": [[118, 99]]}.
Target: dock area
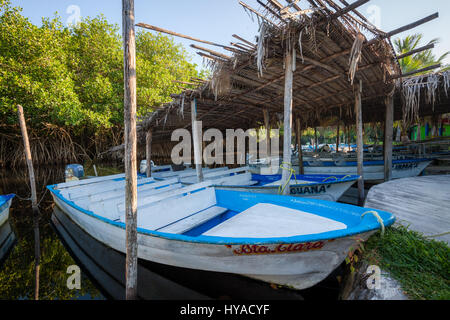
{"points": [[422, 203]]}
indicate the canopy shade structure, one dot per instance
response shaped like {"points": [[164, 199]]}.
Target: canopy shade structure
{"points": [[333, 47]]}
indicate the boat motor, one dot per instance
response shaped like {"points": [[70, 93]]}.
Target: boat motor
{"points": [[73, 172]]}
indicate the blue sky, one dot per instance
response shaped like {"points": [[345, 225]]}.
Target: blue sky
{"points": [[217, 20]]}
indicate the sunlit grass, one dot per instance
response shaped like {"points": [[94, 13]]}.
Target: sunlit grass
{"points": [[419, 264]]}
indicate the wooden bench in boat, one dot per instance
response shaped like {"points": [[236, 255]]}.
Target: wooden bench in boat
{"points": [[217, 175], [90, 181], [178, 215], [120, 192], [110, 206], [187, 173], [194, 220], [107, 186]]}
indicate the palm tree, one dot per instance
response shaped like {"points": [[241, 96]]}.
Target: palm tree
{"points": [[419, 60]]}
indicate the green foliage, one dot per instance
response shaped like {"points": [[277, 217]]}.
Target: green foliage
{"points": [[421, 265], [419, 60], [73, 77]]}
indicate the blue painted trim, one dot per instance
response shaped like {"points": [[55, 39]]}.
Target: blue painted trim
{"points": [[316, 179], [342, 213], [4, 200]]}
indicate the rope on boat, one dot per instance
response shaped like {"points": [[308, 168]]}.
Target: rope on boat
{"points": [[347, 176], [292, 172], [378, 218], [326, 179]]}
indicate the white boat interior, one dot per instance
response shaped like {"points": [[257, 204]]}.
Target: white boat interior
{"points": [[167, 206]]}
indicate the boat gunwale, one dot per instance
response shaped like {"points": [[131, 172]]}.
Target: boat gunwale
{"points": [[4, 200], [363, 227]]}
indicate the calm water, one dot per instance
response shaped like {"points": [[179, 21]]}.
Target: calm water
{"points": [[64, 244]]}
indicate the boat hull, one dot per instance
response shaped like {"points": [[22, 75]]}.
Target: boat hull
{"points": [[370, 172], [4, 211], [321, 191], [296, 265]]}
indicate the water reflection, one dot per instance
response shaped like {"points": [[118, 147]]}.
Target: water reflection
{"points": [[17, 277]]}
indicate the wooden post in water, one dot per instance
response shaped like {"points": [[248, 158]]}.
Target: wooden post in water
{"points": [[197, 140], [129, 39], [301, 168], [388, 137], [34, 204], [148, 152], [359, 142], [287, 136]]}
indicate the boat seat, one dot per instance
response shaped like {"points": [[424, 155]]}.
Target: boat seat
{"points": [[193, 221], [168, 210], [110, 206]]}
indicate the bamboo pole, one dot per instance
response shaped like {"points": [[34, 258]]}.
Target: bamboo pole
{"points": [[287, 136], [301, 168], [196, 140], [130, 148], [148, 152], [359, 142], [34, 204], [388, 138]]}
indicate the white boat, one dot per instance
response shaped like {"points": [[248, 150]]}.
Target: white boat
{"points": [[323, 187], [7, 241], [5, 204], [372, 170], [283, 240]]}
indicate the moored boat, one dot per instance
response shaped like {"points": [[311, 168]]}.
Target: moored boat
{"points": [[283, 240], [7, 241], [324, 187], [372, 170], [5, 204]]}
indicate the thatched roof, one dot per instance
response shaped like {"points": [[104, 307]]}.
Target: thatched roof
{"points": [[335, 46]]}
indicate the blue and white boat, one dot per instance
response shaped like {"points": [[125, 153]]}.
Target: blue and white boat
{"points": [[282, 240], [314, 186], [5, 204], [7, 241], [324, 187], [372, 170]]}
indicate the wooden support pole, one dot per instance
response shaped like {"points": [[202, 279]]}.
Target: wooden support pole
{"points": [[197, 140], [148, 152], [287, 136], [267, 126], [359, 142], [129, 39], [316, 140], [388, 137], [301, 168], [34, 204], [338, 137]]}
